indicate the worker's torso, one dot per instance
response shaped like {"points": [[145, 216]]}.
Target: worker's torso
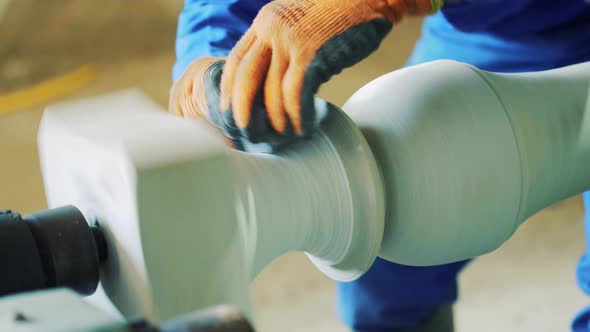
{"points": [[508, 35]]}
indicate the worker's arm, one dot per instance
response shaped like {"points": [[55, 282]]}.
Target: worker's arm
{"points": [[264, 92]]}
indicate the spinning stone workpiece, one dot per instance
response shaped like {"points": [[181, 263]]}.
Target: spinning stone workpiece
{"points": [[458, 159], [468, 155], [188, 221]]}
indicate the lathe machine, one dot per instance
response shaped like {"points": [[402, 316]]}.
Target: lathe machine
{"points": [[154, 217]]}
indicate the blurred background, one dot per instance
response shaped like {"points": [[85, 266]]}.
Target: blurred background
{"points": [[64, 49]]}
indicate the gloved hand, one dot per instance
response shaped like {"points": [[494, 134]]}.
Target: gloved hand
{"points": [[196, 94], [293, 46]]}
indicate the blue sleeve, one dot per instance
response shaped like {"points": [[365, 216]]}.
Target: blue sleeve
{"points": [[211, 28]]}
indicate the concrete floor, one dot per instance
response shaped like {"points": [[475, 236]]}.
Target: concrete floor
{"points": [[527, 285]]}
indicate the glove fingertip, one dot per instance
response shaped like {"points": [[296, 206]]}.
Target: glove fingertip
{"points": [[322, 108], [228, 125], [258, 127]]}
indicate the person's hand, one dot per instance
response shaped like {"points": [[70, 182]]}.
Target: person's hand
{"points": [[292, 47], [196, 95], [262, 96]]}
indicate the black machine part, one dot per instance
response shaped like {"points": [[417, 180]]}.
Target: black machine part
{"points": [[57, 248], [48, 249], [63, 310], [220, 318]]}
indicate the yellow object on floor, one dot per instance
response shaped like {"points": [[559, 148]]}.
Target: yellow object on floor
{"points": [[47, 91]]}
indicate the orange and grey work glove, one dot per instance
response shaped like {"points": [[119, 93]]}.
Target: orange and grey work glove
{"points": [[270, 78], [196, 94]]}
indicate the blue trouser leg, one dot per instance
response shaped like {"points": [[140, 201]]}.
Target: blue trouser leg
{"points": [[581, 322], [392, 296]]}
